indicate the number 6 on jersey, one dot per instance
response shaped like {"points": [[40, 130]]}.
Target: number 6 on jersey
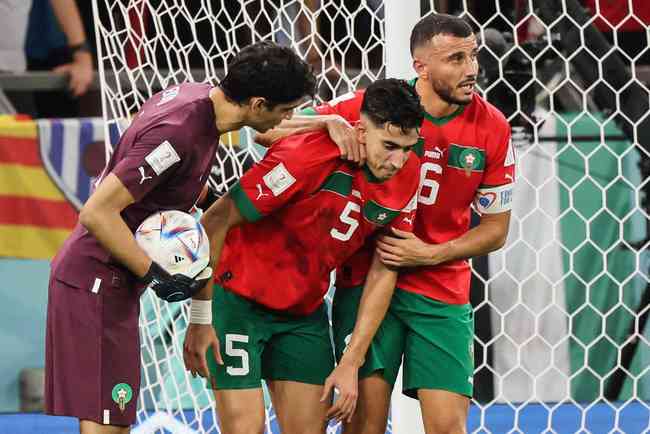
{"points": [[432, 195]]}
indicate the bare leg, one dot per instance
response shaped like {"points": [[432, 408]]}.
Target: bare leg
{"points": [[298, 407], [90, 427], [371, 415], [241, 411], [443, 412]]}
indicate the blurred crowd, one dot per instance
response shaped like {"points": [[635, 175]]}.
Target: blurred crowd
{"points": [[58, 36], [48, 35]]}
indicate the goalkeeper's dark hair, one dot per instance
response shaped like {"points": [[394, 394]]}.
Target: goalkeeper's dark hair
{"points": [[267, 70], [438, 24], [393, 101]]}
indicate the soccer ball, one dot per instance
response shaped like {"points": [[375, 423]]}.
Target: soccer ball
{"points": [[176, 241]]}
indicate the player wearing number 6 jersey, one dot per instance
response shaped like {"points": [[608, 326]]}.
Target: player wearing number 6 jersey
{"points": [[291, 219], [468, 159]]}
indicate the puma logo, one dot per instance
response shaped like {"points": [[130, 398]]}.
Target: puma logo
{"points": [[144, 176], [260, 193], [436, 153], [508, 176], [409, 220]]}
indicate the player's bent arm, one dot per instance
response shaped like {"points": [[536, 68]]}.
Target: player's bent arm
{"points": [[489, 235], [296, 125], [219, 218], [101, 217], [339, 129], [375, 299]]}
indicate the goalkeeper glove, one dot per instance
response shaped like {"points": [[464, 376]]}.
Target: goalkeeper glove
{"points": [[177, 287]]}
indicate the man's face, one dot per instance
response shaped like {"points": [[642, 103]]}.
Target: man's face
{"points": [[450, 64], [264, 119], [387, 147]]}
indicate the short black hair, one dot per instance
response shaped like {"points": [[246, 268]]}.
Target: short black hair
{"points": [[438, 24], [270, 71], [393, 101]]}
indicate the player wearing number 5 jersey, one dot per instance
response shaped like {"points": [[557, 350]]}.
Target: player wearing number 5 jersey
{"points": [[291, 219], [468, 159]]}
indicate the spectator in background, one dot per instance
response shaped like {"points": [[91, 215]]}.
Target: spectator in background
{"points": [[13, 19], [56, 41], [631, 30]]}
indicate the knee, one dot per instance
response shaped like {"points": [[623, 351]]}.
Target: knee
{"points": [[243, 425], [358, 426], [447, 426], [313, 427]]}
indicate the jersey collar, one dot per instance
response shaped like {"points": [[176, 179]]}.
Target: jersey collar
{"points": [[442, 120], [369, 175]]}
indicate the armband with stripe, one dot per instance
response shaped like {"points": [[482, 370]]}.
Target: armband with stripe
{"points": [[494, 200]]}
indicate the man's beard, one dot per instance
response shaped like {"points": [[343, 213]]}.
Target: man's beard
{"points": [[446, 94]]}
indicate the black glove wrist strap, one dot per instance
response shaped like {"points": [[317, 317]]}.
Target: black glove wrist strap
{"points": [[155, 272]]}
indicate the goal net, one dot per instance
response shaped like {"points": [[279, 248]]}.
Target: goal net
{"points": [[561, 310]]}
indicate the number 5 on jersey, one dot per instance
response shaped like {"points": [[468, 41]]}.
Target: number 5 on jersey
{"points": [[242, 354], [346, 218]]}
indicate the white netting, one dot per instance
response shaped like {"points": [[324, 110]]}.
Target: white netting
{"points": [[560, 322]]}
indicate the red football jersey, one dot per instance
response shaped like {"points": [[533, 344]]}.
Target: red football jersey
{"points": [[463, 152], [307, 211], [353, 272]]}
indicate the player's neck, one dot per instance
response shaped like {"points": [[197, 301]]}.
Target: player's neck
{"points": [[228, 116], [431, 101]]}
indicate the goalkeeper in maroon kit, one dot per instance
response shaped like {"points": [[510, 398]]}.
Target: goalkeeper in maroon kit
{"points": [[162, 162], [278, 234]]}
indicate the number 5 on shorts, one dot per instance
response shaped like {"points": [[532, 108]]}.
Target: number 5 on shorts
{"points": [[237, 352]]}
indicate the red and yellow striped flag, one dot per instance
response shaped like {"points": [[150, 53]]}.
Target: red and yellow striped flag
{"points": [[35, 217]]}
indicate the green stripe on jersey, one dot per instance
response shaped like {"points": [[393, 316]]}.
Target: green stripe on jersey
{"points": [[370, 177], [377, 214], [308, 111], [338, 182], [419, 147], [244, 204], [466, 158], [444, 119]]}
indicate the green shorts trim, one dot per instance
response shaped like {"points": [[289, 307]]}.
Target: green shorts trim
{"points": [[258, 343], [435, 339]]}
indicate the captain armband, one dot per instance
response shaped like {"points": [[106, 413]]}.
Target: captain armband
{"points": [[494, 200]]}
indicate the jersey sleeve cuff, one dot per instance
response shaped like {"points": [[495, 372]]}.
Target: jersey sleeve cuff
{"points": [[244, 204]]}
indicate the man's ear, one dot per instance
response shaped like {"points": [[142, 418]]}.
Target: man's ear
{"points": [[420, 68], [257, 104]]}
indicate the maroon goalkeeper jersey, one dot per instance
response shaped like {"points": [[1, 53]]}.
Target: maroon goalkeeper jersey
{"points": [[163, 159], [307, 211]]}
